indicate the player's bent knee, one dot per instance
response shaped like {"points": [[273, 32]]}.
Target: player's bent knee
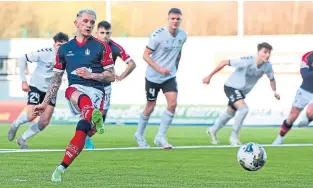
{"points": [[309, 112], [243, 110], [83, 125], [43, 124], [172, 106]]}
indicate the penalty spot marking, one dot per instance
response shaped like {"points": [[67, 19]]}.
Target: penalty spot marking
{"points": [[150, 148]]}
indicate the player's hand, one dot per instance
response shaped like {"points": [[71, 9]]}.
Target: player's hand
{"points": [[277, 96], [118, 78], [206, 80], [25, 87], [39, 109], [164, 71], [83, 72]]}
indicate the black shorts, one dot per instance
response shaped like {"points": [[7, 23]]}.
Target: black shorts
{"points": [[152, 89], [36, 97], [233, 95]]}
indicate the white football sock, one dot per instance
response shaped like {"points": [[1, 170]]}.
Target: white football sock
{"points": [[241, 115], [142, 124], [222, 120], [166, 121], [32, 131], [21, 120]]}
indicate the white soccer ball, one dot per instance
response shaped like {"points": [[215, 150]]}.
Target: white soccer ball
{"points": [[251, 156]]}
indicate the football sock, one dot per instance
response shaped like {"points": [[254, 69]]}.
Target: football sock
{"points": [[142, 124], [77, 143], [222, 120], [166, 121], [241, 115], [31, 131], [284, 129]]}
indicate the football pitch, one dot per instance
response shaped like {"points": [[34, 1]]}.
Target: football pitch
{"points": [[195, 163]]}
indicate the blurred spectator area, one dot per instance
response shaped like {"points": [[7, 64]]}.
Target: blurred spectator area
{"points": [[139, 19]]}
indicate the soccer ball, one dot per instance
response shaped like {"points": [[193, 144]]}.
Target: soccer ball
{"points": [[251, 156]]}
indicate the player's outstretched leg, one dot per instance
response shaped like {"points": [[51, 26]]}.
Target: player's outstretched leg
{"points": [[166, 120], [24, 118], [221, 122], [286, 125], [242, 112], [74, 148], [82, 102], [36, 128]]}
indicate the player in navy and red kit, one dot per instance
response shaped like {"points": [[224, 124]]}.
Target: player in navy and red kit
{"points": [[89, 64], [303, 97], [104, 33]]}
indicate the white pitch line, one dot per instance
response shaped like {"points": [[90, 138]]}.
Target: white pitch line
{"points": [[151, 148]]}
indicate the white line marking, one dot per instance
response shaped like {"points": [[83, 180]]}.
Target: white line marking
{"points": [[151, 148]]}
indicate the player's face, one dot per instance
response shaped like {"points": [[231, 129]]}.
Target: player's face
{"points": [[58, 44], [174, 21], [264, 54], [85, 24], [104, 34]]}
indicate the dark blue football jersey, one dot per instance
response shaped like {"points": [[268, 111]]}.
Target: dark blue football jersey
{"points": [[94, 55], [307, 72]]}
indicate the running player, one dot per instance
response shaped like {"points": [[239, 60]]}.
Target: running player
{"points": [[304, 96], [37, 89], [162, 54], [104, 33], [88, 63], [248, 71]]}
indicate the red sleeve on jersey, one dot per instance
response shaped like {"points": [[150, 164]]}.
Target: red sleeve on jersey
{"points": [[107, 60], [123, 55], [59, 62], [305, 57]]}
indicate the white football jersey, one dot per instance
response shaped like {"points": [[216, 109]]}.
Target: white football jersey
{"points": [[45, 59], [166, 49], [247, 73]]}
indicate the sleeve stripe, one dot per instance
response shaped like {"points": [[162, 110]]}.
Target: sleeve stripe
{"points": [[305, 57], [57, 70], [27, 58], [149, 48], [127, 60], [108, 66]]}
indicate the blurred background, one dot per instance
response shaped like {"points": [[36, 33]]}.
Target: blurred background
{"points": [[217, 30]]}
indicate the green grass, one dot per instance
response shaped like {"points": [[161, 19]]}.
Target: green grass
{"points": [[286, 166]]}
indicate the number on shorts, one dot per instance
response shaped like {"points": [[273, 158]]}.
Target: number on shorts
{"points": [[34, 97], [152, 91]]}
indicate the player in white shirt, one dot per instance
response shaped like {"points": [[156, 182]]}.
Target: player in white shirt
{"points": [[162, 54], [248, 71], [37, 88]]}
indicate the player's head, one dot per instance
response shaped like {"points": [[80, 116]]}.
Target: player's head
{"points": [[59, 39], [104, 31], [85, 22], [264, 51], [174, 18]]}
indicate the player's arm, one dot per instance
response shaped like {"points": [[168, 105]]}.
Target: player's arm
{"points": [[270, 75], [218, 68], [29, 57], [108, 75], [153, 44], [131, 65]]}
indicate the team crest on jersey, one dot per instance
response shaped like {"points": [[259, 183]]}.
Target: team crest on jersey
{"points": [[87, 52]]}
